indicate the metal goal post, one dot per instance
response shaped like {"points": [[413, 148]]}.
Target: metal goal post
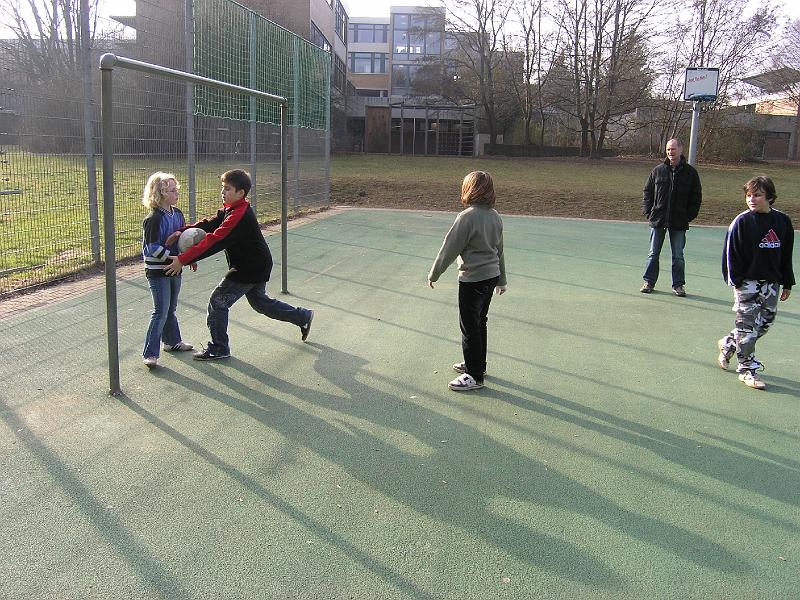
{"points": [[107, 64]]}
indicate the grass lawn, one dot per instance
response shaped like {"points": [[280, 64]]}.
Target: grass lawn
{"points": [[568, 187], [46, 225], [53, 197]]}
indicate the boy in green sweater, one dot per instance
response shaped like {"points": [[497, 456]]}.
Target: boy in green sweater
{"points": [[476, 240]]}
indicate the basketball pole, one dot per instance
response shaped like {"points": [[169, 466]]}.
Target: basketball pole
{"points": [[695, 132]]}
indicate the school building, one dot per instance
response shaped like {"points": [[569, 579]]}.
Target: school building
{"points": [[395, 64]]}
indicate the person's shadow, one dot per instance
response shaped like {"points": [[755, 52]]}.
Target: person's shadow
{"points": [[361, 431]]}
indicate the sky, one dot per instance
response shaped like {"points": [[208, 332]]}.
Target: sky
{"points": [[380, 8]]}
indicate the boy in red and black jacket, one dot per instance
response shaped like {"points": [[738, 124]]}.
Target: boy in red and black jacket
{"points": [[235, 230]]}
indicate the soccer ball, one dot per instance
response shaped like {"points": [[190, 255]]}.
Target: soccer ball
{"points": [[189, 237]]}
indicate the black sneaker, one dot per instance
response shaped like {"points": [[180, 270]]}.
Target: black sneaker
{"points": [[306, 329], [209, 355]]}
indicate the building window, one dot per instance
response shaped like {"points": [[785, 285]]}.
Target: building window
{"points": [[318, 39], [400, 43], [367, 62], [403, 77], [341, 21], [339, 75], [416, 35], [367, 33]]}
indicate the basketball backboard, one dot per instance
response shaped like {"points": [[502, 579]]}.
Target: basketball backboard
{"points": [[701, 84]]}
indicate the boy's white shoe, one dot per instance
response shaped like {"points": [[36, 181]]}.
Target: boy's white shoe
{"points": [[151, 362], [463, 383], [752, 379]]}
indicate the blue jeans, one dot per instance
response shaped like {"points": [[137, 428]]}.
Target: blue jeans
{"points": [[677, 241], [163, 322], [228, 292]]}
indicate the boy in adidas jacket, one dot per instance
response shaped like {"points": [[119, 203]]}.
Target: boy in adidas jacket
{"points": [[756, 262]]}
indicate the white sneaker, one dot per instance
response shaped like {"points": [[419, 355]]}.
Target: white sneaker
{"points": [[752, 379], [150, 362], [179, 347], [464, 383], [724, 358]]}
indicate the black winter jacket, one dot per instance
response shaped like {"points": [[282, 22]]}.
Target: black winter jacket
{"points": [[672, 198]]}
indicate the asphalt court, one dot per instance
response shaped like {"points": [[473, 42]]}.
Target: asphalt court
{"points": [[607, 457]]}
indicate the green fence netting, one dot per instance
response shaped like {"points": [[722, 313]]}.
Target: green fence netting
{"points": [[235, 44]]}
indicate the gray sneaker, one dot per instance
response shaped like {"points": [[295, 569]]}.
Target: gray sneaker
{"points": [[725, 354], [679, 291], [647, 287], [752, 379]]}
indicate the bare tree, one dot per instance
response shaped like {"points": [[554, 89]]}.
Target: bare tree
{"points": [[476, 26], [521, 51], [713, 33], [529, 49], [46, 35], [606, 62], [785, 76]]}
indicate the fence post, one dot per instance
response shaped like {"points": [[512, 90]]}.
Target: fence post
{"points": [[296, 125], [190, 150], [107, 101], [88, 131], [427, 125], [284, 201], [327, 158], [461, 131], [402, 128], [253, 115]]}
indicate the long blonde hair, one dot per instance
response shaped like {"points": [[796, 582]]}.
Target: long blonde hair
{"points": [[154, 188], [478, 188]]}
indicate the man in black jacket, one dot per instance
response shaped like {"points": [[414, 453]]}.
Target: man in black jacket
{"points": [[672, 198]]}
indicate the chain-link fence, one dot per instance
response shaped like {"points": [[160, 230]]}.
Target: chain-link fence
{"points": [[49, 129]]}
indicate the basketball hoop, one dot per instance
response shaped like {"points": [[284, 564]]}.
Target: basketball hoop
{"points": [[701, 98], [701, 84]]}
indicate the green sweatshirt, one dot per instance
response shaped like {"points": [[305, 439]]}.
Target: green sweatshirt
{"points": [[476, 239]]}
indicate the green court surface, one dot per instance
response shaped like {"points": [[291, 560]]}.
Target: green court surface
{"points": [[607, 457]]}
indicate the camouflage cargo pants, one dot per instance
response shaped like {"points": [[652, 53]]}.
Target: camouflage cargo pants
{"points": [[755, 305]]}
